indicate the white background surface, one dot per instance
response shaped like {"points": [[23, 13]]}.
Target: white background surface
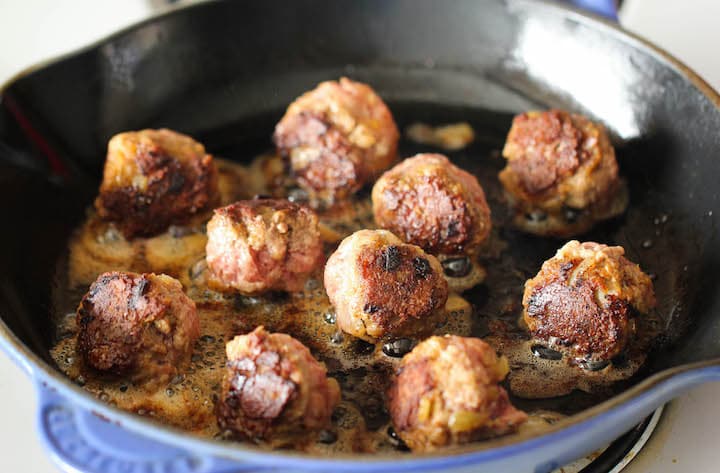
{"points": [[32, 30]]}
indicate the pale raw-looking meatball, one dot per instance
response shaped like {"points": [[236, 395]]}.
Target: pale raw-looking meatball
{"points": [[431, 203], [337, 137], [585, 299], [139, 326], [446, 392], [382, 287], [260, 245], [561, 175], [155, 178], [273, 390]]}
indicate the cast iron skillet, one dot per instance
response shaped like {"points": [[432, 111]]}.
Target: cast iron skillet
{"points": [[223, 72]]}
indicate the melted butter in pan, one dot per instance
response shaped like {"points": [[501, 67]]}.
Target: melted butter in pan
{"points": [[360, 423]]}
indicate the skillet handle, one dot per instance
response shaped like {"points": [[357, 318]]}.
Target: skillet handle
{"points": [[81, 441], [606, 8]]}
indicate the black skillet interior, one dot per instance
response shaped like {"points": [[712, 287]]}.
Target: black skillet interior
{"points": [[224, 71]]}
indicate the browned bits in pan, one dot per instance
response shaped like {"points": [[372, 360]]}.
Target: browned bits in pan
{"points": [[389, 292], [142, 326], [273, 390], [451, 137], [584, 299], [337, 137], [382, 287], [155, 178], [446, 392]]}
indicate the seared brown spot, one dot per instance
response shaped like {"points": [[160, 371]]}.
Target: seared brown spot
{"points": [[422, 267], [390, 259], [453, 225], [370, 309], [551, 149], [111, 329], [573, 315], [336, 137], [336, 163], [407, 289], [565, 269], [431, 203], [175, 192], [452, 229], [119, 319]]}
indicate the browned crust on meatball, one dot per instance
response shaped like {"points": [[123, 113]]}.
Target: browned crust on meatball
{"points": [[548, 146], [260, 245], [561, 311], [413, 380], [390, 305], [382, 287], [322, 158], [584, 300], [155, 178], [429, 202], [274, 390], [559, 165], [336, 138], [137, 325], [446, 392]]}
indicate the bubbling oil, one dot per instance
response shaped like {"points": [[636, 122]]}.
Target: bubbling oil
{"points": [[360, 423]]}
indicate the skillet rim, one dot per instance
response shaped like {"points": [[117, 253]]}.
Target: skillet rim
{"points": [[43, 373]]}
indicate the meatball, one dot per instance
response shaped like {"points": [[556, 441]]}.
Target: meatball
{"points": [[274, 390], [337, 137], [446, 392], [584, 301], [431, 203], [383, 287], [142, 326], [561, 175], [263, 244], [155, 178]]}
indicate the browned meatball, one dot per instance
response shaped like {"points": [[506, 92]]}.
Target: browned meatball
{"points": [[263, 244], [431, 203], [155, 178], [383, 287], [561, 175], [446, 392], [337, 137], [142, 326], [274, 390], [584, 299]]}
